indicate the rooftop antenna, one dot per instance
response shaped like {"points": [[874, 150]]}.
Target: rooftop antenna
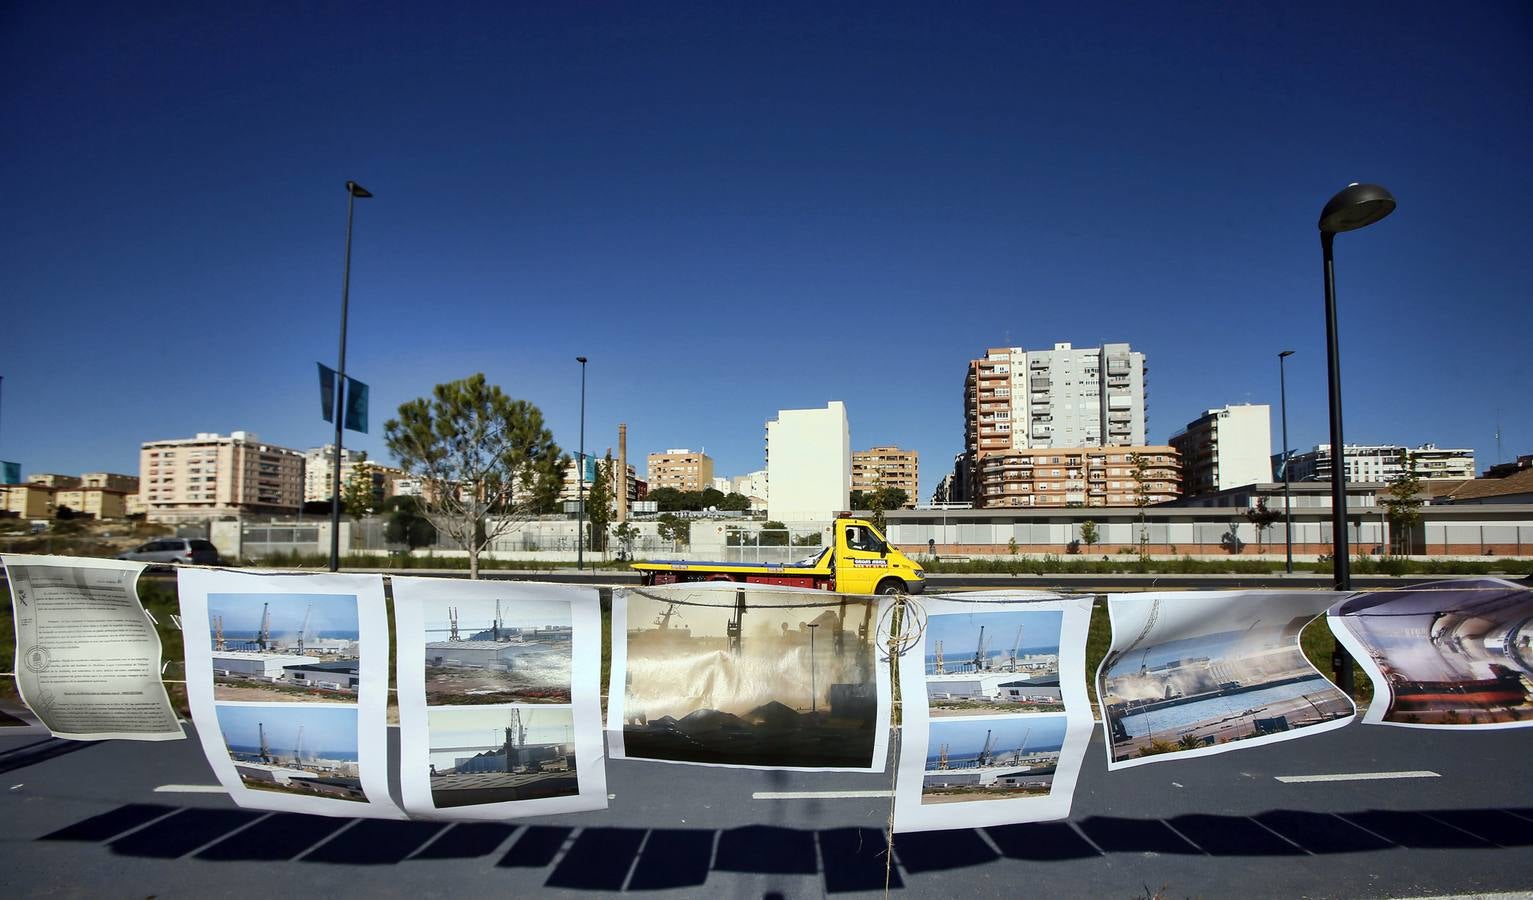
{"points": [[1499, 457]]}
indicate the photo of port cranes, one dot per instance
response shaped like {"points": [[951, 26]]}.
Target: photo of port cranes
{"points": [[1000, 758], [494, 755], [490, 651], [967, 676], [284, 647], [306, 750], [1188, 672], [1449, 653], [750, 677]]}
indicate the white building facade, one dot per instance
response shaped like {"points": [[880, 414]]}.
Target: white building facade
{"points": [[809, 464], [1226, 448], [1383, 462]]}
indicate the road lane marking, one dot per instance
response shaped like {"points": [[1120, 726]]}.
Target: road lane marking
{"points": [[190, 789], [1355, 776], [816, 795]]}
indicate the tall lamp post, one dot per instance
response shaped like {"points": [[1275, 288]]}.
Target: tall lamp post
{"points": [[1355, 206], [1287, 496], [580, 473], [354, 192], [814, 690]]}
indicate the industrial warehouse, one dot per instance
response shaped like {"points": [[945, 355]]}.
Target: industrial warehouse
{"points": [[499, 662], [285, 656], [534, 758]]}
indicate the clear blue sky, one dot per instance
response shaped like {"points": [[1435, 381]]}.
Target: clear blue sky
{"points": [[738, 208]]}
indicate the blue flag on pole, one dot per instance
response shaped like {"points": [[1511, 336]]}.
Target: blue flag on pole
{"points": [[327, 391], [356, 405]]}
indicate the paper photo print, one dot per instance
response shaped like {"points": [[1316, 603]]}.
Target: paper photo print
{"points": [[1200, 672], [1445, 654], [758, 676], [287, 678], [1005, 721], [499, 698], [87, 655]]}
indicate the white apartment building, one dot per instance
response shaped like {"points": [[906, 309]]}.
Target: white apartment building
{"points": [[1226, 448], [752, 484], [1382, 462], [809, 463], [208, 475]]}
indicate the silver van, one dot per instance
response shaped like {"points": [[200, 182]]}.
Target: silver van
{"points": [[175, 551]]}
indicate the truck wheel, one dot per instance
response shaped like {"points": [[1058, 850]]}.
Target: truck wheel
{"points": [[891, 586]]}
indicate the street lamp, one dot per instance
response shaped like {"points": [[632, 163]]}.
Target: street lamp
{"points": [[580, 473], [354, 192], [1355, 206], [1287, 497], [814, 689]]}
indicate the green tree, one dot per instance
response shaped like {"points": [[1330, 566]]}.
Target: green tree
{"points": [[486, 462], [406, 525], [734, 502], [1402, 504], [710, 498], [857, 500], [626, 534], [599, 497], [672, 528], [1089, 533], [357, 493], [774, 534], [668, 499], [1261, 518]]}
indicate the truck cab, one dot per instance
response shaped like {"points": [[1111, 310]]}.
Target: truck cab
{"points": [[866, 563]]}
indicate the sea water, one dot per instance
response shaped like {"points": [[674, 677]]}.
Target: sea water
{"points": [[1173, 719]]}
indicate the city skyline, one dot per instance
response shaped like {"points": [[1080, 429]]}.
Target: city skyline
{"points": [[878, 223]]}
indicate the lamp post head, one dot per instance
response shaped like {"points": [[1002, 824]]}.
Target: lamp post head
{"points": [[1285, 354], [581, 360], [358, 191], [1356, 206]]}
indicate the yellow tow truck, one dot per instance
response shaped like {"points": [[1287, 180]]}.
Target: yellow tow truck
{"points": [[859, 560]]}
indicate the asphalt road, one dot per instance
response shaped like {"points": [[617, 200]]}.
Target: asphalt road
{"points": [[84, 819]]}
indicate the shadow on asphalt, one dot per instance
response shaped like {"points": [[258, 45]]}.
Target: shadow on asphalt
{"points": [[846, 859]]}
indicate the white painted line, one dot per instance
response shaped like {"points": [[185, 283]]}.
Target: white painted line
{"points": [[190, 789], [1355, 776], [816, 795]]}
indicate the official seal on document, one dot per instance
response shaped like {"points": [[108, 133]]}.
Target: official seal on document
{"points": [[36, 659]]}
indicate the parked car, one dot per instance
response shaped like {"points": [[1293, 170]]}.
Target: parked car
{"points": [[175, 551]]}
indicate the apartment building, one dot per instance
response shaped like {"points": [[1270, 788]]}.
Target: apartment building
{"points": [[32, 500], [319, 474], [682, 469], [101, 503], [210, 475], [48, 479], [569, 488], [1225, 448], [1081, 476], [888, 467], [1381, 462], [809, 463], [111, 481], [1067, 397]]}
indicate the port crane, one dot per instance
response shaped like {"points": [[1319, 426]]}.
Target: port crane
{"points": [[736, 625], [265, 750], [452, 618], [218, 634], [495, 626], [663, 621], [942, 756], [304, 628], [940, 669], [979, 651], [298, 749], [1014, 646], [987, 753], [263, 637]]}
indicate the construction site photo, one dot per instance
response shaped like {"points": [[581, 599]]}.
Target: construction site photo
{"points": [[493, 755], [284, 647], [305, 750], [993, 662], [743, 677], [492, 651], [1002, 758]]}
